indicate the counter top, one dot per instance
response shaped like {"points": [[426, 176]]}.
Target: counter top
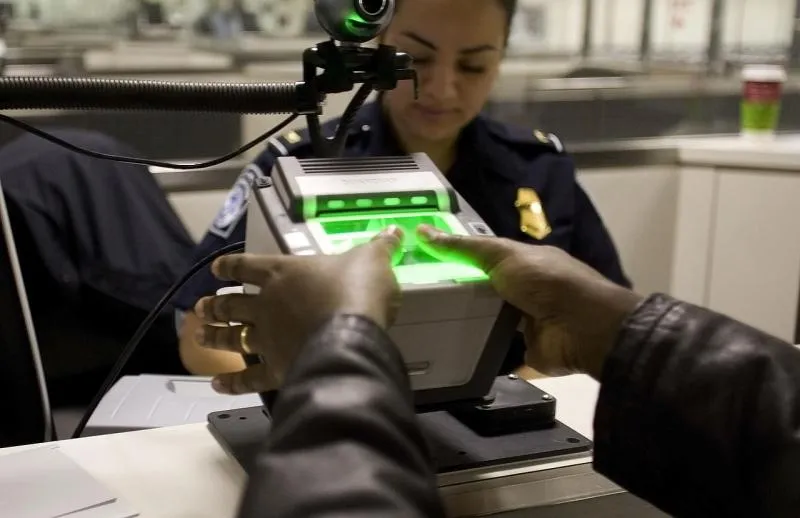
{"points": [[183, 471], [779, 153]]}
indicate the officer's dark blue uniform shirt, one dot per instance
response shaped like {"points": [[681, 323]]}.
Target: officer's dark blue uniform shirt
{"points": [[494, 161]]}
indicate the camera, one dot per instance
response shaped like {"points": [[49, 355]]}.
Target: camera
{"points": [[354, 21]]}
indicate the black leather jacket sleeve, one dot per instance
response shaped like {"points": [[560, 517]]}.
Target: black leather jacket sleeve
{"points": [[345, 439], [700, 415]]}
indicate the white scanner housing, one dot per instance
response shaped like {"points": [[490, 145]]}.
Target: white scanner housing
{"points": [[452, 330]]}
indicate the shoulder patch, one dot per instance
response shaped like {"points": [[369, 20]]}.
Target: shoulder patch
{"points": [[293, 137], [298, 142], [288, 142], [549, 139], [522, 137], [235, 203]]}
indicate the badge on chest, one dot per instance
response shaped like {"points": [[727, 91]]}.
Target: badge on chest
{"points": [[532, 219]]}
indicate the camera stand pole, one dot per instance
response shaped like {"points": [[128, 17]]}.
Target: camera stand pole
{"points": [[343, 66]]}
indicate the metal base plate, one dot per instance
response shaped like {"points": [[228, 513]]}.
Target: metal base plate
{"points": [[455, 446]]}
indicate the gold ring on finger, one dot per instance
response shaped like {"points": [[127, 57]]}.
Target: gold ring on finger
{"points": [[243, 340]]}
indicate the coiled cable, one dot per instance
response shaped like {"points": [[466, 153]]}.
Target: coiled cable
{"points": [[84, 93]]}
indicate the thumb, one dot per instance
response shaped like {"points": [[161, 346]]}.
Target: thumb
{"points": [[484, 252]]}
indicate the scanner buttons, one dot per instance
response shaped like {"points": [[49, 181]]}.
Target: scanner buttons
{"points": [[480, 228], [296, 240]]}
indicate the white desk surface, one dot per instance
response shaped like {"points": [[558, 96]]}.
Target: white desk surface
{"points": [[781, 152], [182, 472]]}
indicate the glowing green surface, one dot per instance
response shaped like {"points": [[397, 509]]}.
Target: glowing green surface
{"points": [[416, 263], [335, 205], [356, 25]]}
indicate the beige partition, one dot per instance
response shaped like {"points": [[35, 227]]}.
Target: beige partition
{"points": [[738, 246], [638, 205], [755, 253]]}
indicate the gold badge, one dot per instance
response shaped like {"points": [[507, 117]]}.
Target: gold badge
{"points": [[541, 137], [532, 219], [293, 137]]}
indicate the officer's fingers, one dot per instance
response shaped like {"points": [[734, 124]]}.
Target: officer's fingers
{"points": [[485, 252], [535, 356], [227, 308], [246, 268], [255, 378], [546, 349]]}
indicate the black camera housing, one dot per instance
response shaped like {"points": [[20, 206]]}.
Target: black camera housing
{"points": [[354, 21]]}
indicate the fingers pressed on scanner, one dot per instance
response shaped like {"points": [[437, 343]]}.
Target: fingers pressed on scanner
{"points": [[245, 268], [391, 237], [389, 242], [254, 379], [484, 252], [226, 308], [225, 338]]}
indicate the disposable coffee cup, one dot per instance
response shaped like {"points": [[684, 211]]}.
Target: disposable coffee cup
{"points": [[762, 90]]}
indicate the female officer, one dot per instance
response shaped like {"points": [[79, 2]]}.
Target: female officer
{"points": [[519, 180]]}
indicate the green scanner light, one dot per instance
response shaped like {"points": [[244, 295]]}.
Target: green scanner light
{"points": [[414, 263]]}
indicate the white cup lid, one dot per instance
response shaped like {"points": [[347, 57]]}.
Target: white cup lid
{"points": [[230, 290], [764, 73]]}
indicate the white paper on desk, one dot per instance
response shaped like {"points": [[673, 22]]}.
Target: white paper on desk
{"points": [[45, 483], [118, 509]]}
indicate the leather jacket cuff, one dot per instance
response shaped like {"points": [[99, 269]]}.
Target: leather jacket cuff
{"points": [[624, 394], [358, 334]]}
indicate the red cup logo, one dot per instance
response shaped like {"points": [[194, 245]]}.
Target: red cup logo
{"points": [[761, 92]]}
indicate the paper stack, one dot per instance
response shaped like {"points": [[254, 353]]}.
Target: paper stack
{"points": [[45, 483]]}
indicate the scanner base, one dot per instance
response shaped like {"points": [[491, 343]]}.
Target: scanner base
{"points": [[455, 446]]}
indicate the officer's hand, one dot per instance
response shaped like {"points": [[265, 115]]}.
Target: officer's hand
{"points": [[298, 294], [573, 313]]}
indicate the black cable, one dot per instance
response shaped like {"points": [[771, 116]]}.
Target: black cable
{"points": [[144, 161], [340, 139], [133, 343], [318, 141], [333, 147]]}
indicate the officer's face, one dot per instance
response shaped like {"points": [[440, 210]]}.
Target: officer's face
{"points": [[457, 46]]}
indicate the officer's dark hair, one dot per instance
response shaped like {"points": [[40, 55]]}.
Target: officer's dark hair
{"points": [[509, 6]]}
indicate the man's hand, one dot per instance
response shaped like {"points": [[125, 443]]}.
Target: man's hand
{"points": [[573, 313], [297, 295]]}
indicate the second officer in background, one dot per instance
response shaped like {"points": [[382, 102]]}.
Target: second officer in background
{"points": [[520, 181]]}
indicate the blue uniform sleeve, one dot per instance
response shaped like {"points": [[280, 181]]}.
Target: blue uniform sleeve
{"points": [[592, 243], [228, 227]]}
